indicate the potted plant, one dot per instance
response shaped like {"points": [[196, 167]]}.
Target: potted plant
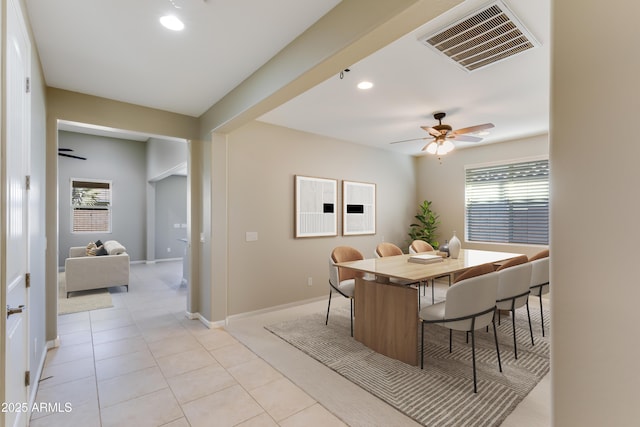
{"points": [[425, 228]]}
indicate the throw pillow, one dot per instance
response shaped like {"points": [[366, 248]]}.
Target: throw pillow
{"points": [[91, 249], [98, 243], [101, 251]]}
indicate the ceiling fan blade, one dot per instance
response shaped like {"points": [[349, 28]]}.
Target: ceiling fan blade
{"points": [[406, 140], [65, 149], [433, 132], [472, 129], [72, 156], [467, 138]]}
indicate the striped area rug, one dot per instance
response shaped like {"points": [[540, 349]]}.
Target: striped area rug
{"points": [[442, 393]]}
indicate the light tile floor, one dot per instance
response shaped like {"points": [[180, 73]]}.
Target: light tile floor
{"points": [[142, 363]]}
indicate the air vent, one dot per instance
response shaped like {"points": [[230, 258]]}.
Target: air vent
{"points": [[485, 37]]}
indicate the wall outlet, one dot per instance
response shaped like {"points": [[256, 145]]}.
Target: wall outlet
{"points": [[309, 281]]}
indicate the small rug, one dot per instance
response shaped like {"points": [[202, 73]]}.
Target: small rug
{"points": [[93, 299], [442, 393]]}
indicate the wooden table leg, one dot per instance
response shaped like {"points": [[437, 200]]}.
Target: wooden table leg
{"points": [[386, 319]]}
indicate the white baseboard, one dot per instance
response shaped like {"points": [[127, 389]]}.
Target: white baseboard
{"points": [[53, 343], [153, 261], [209, 324], [35, 379], [274, 308]]}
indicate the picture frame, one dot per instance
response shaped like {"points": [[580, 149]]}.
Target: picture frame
{"points": [[358, 208], [316, 209]]}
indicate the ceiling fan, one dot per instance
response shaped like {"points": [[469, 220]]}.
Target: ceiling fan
{"points": [[64, 152], [442, 133]]}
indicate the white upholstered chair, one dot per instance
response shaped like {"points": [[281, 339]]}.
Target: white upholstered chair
{"points": [[470, 304], [514, 278], [385, 249], [419, 246], [343, 280], [540, 278]]}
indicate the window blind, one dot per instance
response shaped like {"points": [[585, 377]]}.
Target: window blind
{"points": [[508, 203], [91, 206]]}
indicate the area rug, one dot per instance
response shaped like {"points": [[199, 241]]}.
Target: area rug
{"points": [[442, 393], [81, 301]]}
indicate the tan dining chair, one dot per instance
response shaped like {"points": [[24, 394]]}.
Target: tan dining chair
{"points": [[514, 278], [470, 304], [387, 249], [540, 279], [342, 280], [475, 271], [418, 246]]}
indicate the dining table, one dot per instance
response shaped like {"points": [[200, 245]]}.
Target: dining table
{"points": [[386, 311]]}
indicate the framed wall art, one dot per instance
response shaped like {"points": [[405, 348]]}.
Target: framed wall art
{"points": [[316, 207], [358, 208]]}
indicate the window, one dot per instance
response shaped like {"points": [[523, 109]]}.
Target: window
{"points": [[508, 203], [90, 206]]}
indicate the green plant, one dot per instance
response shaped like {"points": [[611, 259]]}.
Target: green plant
{"points": [[425, 228]]}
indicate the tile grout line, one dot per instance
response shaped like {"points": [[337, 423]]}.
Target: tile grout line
{"points": [[95, 369]]}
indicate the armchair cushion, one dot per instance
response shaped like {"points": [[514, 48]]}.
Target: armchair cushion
{"points": [[114, 247]]}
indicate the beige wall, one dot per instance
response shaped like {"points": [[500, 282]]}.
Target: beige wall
{"points": [[594, 222], [262, 162], [442, 182]]}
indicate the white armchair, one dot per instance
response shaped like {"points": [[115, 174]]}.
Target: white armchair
{"points": [[84, 272]]}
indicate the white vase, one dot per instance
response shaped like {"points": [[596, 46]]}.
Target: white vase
{"points": [[454, 246]]}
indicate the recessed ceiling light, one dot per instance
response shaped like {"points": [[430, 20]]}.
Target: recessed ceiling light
{"points": [[172, 23], [365, 85]]}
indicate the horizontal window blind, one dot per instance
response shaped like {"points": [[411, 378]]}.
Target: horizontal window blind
{"points": [[91, 206], [508, 203], [91, 220]]}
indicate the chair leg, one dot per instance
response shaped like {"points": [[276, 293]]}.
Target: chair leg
{"points": [[473, 357], [433, 286], [326, 322], [513, 319], [541, 315], [450, 339], [530, 328], [351, 316], [495, 334], [422, 345]]}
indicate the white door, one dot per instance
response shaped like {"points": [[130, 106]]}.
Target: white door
{"points": [[16, 126]]}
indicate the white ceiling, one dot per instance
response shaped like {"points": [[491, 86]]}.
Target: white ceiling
{"points": [[117, 49]]}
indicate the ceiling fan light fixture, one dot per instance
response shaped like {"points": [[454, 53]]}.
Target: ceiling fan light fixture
{"points": [[447, 146], [172, 23], [431, 147]]}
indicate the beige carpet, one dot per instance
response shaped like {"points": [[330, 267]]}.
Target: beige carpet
{"points": [[81, 301], [442, 393]]}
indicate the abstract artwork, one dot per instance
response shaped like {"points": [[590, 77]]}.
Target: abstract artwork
{"points": [[316, 207]]}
